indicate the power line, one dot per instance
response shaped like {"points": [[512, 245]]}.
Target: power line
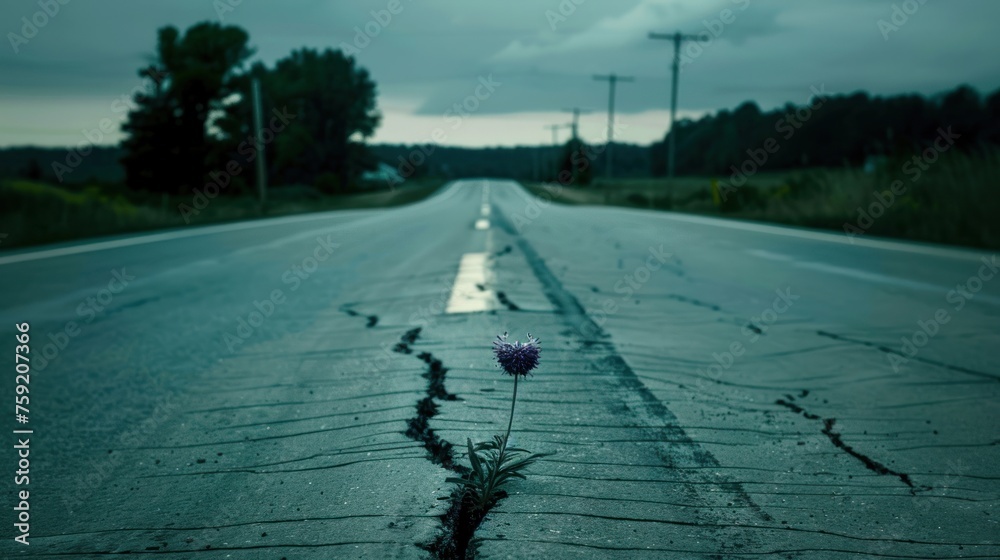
{"points": [[677, 38], [612, 80]]}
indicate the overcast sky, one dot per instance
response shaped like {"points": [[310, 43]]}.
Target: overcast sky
{"points": [[541, 55]]}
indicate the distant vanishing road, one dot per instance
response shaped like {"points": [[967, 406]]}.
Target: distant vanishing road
{"points": [[708, 388]]}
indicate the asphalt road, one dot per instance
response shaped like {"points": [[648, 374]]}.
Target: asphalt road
{"points": [[707, 388]]}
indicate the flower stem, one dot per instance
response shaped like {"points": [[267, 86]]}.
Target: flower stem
{"points": [[510, 423]]}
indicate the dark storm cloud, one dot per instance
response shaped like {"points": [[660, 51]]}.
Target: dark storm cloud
{"points": [[431, 54]]}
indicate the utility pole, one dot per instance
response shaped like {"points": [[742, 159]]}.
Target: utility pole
{"points": [[258, 125], [555, 132], [612, 80], [677, 38], [576, 120]]}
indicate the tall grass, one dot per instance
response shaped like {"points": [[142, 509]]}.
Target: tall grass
{"points": [[955, 201], [33, 213]]}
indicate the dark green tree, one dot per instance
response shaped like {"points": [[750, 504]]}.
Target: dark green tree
{"points": [[33, 170], [168, 144], [840, 130], [330, 104], [577, 163]]}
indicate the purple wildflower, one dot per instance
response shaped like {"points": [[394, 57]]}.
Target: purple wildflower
{"points": [[516, 358]]}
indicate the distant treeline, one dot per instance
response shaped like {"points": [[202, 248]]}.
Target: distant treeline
{"points": [[181, 136], [830, 131], [525, 163]]}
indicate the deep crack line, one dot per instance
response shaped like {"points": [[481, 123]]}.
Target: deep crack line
{"points": [[838, 442], [870, 463], [439, 451], [797, 409], [459, 523]]}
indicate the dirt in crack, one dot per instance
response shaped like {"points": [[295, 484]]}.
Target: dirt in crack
{"points": [[460, 522]]}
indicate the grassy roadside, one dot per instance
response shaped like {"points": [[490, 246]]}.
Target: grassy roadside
{"points": [[955, 201], [33, 213]]}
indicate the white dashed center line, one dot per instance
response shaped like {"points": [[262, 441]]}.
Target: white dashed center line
{"points": [[470, 293]]}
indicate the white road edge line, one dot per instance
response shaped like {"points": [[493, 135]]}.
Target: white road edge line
{"points": [[154, 238], [957, 253]]}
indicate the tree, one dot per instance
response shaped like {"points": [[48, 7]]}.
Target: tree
{"points": [[168, 143], [833, 131], [577, 163], [962, 109], [33, 170], [332, 105]]}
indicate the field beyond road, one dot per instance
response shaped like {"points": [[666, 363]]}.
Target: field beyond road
{"points": [[34, 212], [956, 201]]}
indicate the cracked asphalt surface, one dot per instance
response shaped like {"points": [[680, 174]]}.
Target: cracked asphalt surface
{"points": [[708, 389]]}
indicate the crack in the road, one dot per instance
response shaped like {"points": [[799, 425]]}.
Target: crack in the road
{"points": [[372, 319], [796, 408], [667, 428], [459, 523], [440, 452], [693, 301], [869, 463], [838, 442], [408, 338], [505, 301], [927, 361]]}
